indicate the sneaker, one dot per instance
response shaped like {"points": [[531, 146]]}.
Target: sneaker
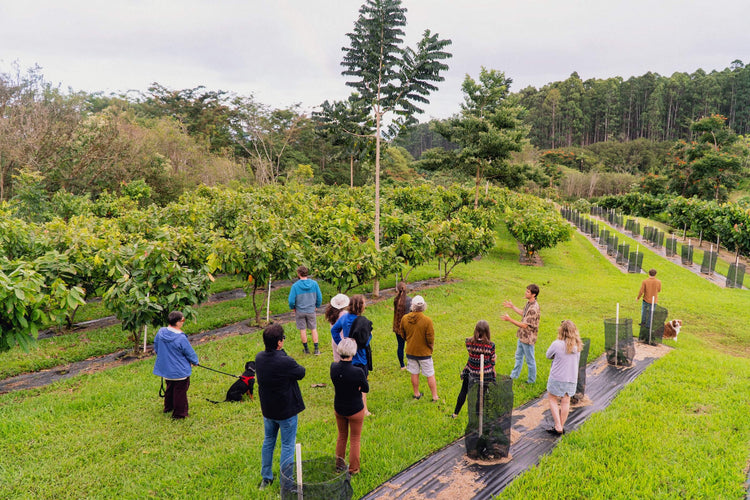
{"points": [[317, 352], [307, 351], [265, 483]]}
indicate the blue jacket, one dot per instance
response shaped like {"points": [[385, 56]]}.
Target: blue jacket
{"points": [[174, 354], [305, 296], [341, 330]]}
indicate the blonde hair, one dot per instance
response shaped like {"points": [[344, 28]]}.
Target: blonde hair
{"points": [[569, 333]]}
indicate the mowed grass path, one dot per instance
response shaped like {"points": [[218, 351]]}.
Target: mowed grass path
{"points": [[680, 430]]}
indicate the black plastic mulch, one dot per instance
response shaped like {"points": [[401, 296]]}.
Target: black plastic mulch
{"points": [[448, 473]]}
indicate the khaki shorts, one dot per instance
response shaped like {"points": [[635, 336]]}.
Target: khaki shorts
{"points": [[414, 366]]}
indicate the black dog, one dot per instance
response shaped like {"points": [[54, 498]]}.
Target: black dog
{"points": [[244, 385]]}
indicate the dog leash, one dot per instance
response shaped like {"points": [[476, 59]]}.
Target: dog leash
{"points": [[217, 371]]}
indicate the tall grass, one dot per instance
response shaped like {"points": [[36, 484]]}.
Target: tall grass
{"points": [[680, 430]]}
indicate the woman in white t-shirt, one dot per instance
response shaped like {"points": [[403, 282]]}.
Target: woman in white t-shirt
{"points": [[565, 352]]}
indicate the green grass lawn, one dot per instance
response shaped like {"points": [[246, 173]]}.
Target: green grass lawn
{"points": [[681, 430]]}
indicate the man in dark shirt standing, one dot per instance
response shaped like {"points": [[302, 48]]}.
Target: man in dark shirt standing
{"points": [[277, 375]]}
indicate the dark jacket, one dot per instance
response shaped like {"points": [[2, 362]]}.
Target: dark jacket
{"points": [[277, 374], [350, 382], [361, 333]]}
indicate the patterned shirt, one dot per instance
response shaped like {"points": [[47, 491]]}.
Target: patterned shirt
{"points": [[531, 319], [476, 349]]}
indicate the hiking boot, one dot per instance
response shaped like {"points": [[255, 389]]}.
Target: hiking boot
{"points": [[265, 483]]}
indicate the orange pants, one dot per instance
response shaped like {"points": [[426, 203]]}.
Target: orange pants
{"points": [[350, 425]]}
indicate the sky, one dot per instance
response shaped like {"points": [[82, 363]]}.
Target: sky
{"points": [[285, 52]]}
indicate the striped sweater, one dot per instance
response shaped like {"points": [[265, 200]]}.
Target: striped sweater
{"points": [[476, 349]]}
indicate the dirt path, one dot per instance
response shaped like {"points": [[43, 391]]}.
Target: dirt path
{"points": [[99, 363]]}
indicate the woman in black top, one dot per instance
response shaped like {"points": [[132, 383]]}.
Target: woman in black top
{"points": [[349, 382]]}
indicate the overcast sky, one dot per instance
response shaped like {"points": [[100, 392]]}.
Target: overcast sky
{"points": [[289, 51]]}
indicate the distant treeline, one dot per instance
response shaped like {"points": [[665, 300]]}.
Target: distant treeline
{"points": [[577, 112]]}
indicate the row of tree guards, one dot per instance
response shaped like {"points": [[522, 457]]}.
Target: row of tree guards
{"points": [[619, 344], [652, 236], [631, 260]]}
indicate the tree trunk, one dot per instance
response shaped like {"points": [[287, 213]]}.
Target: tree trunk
{"points": [[255, 306], [476, 190], [378, 117], [351, 170]]}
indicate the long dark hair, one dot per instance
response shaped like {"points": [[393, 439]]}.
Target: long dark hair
{"points": [[332, 314], [399, 306]]}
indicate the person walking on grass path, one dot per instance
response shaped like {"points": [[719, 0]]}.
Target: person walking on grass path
{"points": [[419, 334], [650, 288], [304, 299], [527, 331], [175, 358], [565, 353], [281, 401]]}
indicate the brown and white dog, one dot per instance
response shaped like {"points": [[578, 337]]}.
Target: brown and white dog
{"points": [[672, 329]]}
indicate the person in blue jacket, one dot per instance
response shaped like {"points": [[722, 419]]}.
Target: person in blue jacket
{"points": [[357, 326], [304, 298], [175, 358]]}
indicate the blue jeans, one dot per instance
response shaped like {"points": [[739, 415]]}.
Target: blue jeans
{"points": [[400, 349], [288, 429], [645, 313], [527, 351]]}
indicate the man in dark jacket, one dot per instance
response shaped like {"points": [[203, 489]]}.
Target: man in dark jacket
{"points": [[280, 400]]}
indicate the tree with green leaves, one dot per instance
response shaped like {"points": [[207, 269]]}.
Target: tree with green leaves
{"points": [[347, 124], [389, 77], [709, 166], [149, 283], [488, 129]]}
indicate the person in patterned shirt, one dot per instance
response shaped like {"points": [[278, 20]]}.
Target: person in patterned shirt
{"points": [[476, 346], [528, 328]]}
